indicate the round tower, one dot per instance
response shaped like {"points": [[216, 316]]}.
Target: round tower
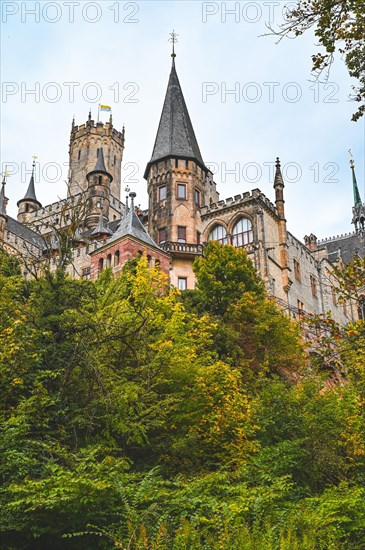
{"points": [[29, 203], [99, 182]]}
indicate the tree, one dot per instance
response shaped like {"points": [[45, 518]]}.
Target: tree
{"points": [[339, 26]]}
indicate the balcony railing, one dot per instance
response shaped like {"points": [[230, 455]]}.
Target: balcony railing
{"points": [[182, 248]]}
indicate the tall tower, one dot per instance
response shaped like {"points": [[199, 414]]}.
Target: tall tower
{"points": [[179, 184], [29, 203], [84, 143], [358, 210], [99, 182]]}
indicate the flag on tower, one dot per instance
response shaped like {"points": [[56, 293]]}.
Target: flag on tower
{"points": [[106, 108]]}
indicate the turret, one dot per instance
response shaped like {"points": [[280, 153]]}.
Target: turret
{"points": [[98, 191], [29, 203]]}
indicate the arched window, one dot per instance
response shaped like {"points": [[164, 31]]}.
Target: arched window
{"points": [[101, 265], [218, 233], [109, 260], [242, 232], [116, 258]]}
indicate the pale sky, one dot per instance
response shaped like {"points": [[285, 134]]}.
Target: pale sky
{"points": [[117, 53]]}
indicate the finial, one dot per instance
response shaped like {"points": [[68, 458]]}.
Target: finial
{"points": [[110, 120], [33, 165], [5, 175], [173, 39], [352, 164], [126, 198], [132, 195], [90, 114], [277, 164]]}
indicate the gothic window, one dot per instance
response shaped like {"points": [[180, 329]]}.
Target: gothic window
{"points": [[162, 235], [297, 273], [109, 260], [116, 258], [218, 233], [100, 265], [162, 192], [182, 283], [181, 191], [313, 285], [181, 234], [242, 232]]}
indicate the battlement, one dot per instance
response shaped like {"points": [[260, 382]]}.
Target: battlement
{"points": [[237, 200], [336, 237], [98, 128]]}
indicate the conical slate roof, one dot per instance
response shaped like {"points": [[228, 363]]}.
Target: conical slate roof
{"points": [[175, 135], [131, 226], [357, 197], [30, 194], [100, 165], [101, 228]]}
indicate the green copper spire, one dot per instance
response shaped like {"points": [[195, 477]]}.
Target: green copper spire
{"points": [[357, 198]]}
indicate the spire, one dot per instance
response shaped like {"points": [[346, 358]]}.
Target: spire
{"points": [[30, 195], [358, 210], [279, 189], [357, 198], [278, 175], [175, 135], [101, 228], [100, 164], [3, 198]]}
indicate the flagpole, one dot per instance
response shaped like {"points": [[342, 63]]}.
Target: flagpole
{"points": [[98, 112]]}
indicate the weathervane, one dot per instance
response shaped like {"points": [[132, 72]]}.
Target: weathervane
{"points": [[173, 39]]}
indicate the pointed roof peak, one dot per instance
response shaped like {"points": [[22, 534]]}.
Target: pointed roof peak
{"points": [[30, 194], [357, 197], [3, 199], [101, 228], [278, 175], [100, 163], [175, 135]]}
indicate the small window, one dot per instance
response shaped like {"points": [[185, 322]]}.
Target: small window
{"points": [[186, 164], [197, 197], [181, 191], [162, 192], [181, 234], [300, 306], [162, 235], [115, 159], [313, 285], [334, 297], [297, 273], [100, 180], [109, 260], [100, 265], [86, 273], [79, 155], [116, 258], [176, 163], [198, 237], [182, 283]]}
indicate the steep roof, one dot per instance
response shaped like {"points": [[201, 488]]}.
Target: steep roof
{"points": [[30, 194], [348, 245], [175, 135], [131, 226], [24, 233]]}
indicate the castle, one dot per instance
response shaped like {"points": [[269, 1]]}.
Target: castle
{"points": [[184, 213]]}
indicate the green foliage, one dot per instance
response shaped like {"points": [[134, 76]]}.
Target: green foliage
{"points": [[133, 417], [339, 26]]}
